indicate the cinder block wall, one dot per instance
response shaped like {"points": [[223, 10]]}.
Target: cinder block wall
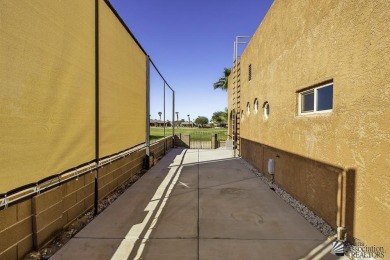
{"points": [[16, 238], [159, 149], [113, 175], [31, 224], [47, 210]]}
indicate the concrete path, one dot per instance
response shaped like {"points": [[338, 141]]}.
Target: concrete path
{"points": [[198, 204]]}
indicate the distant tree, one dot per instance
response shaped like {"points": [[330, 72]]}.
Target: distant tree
{"points": [[220, 117], [159, 114], [222, 83], [201, 120]]}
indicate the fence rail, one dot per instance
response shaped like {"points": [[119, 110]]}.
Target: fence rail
{"points": [[202, 140]]}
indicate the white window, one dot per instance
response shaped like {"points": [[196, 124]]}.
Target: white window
{"points": [[256, 105], [318, 99]]}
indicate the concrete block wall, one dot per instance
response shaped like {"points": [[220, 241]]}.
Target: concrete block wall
{"points": [[16, 238], [114, 174], [31, 224], [47, 211], [159, 149]]}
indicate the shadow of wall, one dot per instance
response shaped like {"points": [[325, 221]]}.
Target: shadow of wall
{"points": [[32, 223], [182, 140], [327, 190]]}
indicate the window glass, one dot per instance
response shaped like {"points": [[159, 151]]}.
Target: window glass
{"points": [[307, 101], [266, 110], [317, 99], [256, 105], [325, 98]]}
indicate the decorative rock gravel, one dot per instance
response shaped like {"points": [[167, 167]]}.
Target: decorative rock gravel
{"points": [[309, 215]]}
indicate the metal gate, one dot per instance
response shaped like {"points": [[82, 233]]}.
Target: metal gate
{"points": [[204, 139]]}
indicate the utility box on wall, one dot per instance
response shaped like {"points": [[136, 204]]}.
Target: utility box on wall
{"points": [[271, 166]]}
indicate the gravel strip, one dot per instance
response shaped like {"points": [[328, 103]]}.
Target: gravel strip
{"points": [[309, 215]]}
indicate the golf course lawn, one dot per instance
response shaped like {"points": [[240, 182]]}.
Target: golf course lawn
{"points": [[196, 133]]}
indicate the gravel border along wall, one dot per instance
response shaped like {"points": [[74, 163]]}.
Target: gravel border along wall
{"points": [[309, 215]]}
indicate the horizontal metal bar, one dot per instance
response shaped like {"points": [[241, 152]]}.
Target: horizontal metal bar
{"points": [[124, 25], [28, 191], [159, 73]]}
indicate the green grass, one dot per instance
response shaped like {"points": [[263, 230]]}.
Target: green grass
{"points": [[198, 134]]}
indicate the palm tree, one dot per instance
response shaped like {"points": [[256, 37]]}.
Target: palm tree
{"points": [[177, 116], [159, 114], [222, 83]]}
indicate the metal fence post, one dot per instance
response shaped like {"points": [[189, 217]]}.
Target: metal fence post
{"points": [[147, 141], [173, 119], [214, 140]]}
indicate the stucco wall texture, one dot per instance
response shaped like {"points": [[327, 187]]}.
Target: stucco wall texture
{"points": [[303, 43]]}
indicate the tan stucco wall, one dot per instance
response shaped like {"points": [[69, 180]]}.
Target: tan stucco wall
{"points": [[303, 43]]}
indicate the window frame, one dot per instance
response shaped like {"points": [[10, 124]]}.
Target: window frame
{"points": [[315, 92]]}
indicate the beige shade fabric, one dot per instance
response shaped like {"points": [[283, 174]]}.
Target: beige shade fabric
{"points": [[47, 81], [122, 70], [47, 88]]}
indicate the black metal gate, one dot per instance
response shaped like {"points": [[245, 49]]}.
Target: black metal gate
{"points": [[202, 139]]}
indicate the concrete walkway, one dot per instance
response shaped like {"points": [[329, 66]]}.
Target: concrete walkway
{"points": [[198, 204]]}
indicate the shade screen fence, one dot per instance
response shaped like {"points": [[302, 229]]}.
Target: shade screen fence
{"points": [[48, 83]]}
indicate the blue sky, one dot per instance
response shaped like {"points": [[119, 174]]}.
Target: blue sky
{"points": [[190, 42]]}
